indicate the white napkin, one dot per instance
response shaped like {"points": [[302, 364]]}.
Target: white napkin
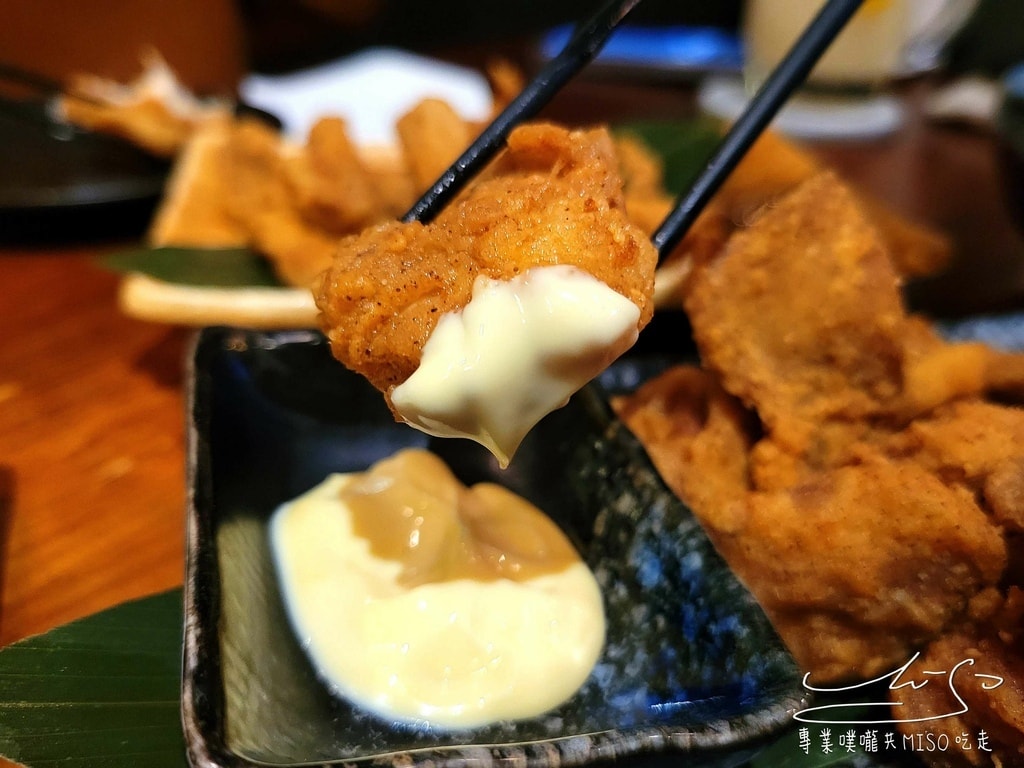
{"points": [[370, 90]]}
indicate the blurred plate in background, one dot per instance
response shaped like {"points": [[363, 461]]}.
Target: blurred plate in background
{"points": [[57, 182]]}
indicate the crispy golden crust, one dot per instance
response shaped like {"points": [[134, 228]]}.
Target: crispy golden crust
{"points": [[861, 564], [965, 440], [553, 197], [989, 681], [801, 315], [262, 201], [855, 565], [238, 183], [332, 187], [840, 454], [686, 420], [775, 166], [432, 135], [193, 211]]}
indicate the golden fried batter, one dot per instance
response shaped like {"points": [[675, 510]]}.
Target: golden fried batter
{"points": [[262, 201], [552, 197], [774, 166], [687, 421], [1004, 493], [839, 453], [154, 111], [855, 566], [193, 211], [238, 183], [801, 314], [859, 566], [982, 663], [965, 441], [333, 189], [432, 135]]}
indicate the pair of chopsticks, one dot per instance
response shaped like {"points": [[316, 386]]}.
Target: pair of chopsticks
{"points": [[585, 43]]}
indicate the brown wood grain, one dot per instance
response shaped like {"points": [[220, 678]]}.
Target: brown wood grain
{"points": [[91, 444]]}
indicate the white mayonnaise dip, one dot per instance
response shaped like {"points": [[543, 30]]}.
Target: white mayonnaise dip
{"points": [[456, 654], [513, 354]]}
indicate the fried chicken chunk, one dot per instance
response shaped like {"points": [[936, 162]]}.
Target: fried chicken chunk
{"points": [[238, 182], [697, 435], [980, 690], [775, 166], [855, 566], [552, 197], [801, 316], [860, 565]]}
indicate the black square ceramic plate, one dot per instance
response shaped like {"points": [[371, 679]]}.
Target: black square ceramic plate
{"points": [[690, 665]]}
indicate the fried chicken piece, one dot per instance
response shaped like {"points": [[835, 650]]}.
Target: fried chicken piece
{"points": [[810, 337], [861, 565], [1004, 493], [238, 183], [193, 210], [834, 444], [552, 197], [964, 441], [432, 135], [984, 676], [855, 566], [332, 187], [155, 111], [696, 434], [835, 449], [262, 201], [936, 371], [774, 166]]}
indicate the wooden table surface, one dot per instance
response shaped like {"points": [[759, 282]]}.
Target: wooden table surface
{"points": [[91, 402]]}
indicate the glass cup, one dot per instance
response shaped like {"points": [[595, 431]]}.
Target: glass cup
{"points": [[865, 53], [848, 94]]}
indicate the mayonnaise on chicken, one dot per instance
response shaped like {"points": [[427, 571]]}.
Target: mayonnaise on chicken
{"points": [[423, 600], [513, 354]]}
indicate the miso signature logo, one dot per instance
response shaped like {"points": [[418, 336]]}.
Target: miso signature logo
{"points": [[897, 682]]}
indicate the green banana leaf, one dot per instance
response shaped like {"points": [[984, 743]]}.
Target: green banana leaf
{"points": [[211, 267], [101, 691]]}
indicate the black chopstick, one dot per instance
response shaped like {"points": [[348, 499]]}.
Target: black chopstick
{"points": [[784, 79], [41, 84], [587, 40]]}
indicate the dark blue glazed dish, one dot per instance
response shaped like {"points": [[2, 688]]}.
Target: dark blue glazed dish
{"points": [[691, 664]]}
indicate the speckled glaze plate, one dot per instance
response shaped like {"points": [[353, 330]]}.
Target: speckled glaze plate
{"points": [[691, 665]]}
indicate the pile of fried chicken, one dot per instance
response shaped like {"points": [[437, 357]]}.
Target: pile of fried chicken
{"points": [[238, 182], [861, 475]]}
